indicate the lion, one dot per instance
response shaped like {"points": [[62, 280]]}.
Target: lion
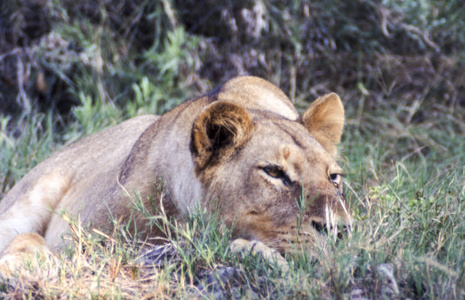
{"points": [[241, 151]]}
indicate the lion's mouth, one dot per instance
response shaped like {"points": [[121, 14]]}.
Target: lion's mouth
{"points": [[320, 228], [324, 229]]}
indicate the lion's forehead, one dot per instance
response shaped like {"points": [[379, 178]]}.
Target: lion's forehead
{"points": [[301, 162], [288, 138], [289, 145]]}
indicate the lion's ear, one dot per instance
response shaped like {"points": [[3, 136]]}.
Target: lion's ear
{"points": [[325, 121], [220, 128]]}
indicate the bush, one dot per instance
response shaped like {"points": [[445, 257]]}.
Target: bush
{"points": [[71, 68]]}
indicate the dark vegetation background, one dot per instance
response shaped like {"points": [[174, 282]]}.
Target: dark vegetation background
{"points": [[396, 64], [50, 51], [70, 68]]}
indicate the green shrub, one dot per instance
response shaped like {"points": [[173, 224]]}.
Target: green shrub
{"points": [[71, 68]]}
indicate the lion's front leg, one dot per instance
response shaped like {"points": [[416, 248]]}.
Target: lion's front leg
{"points": [[31, 212]]}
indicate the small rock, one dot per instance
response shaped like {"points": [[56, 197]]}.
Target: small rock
{"points": [[158, 255], [221, 277]]}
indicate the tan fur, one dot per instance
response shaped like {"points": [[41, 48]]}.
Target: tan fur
{"points": [[27, 249], [241, 151]]}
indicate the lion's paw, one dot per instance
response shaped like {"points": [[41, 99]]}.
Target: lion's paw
{"points": [[257, 247]]}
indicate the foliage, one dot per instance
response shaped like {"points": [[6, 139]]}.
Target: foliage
{"points": [[70, 68]]}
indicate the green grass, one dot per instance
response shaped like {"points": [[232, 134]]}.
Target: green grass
{"points": [[405, 185], [398, 66]]}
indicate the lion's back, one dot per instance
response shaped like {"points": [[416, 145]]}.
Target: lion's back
{"points": [[84, 159]]}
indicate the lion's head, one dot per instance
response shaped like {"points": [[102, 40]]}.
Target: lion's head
{"points": [[274, 179]]}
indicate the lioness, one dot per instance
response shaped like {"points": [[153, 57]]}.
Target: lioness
{"points": [[241, 150]]}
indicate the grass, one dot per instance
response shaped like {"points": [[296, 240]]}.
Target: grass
{"points": [[405, 187], [398, 66]]}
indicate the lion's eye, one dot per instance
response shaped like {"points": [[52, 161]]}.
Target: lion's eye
{"points": [[335, 179], [273, 171], [277, 173]]}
